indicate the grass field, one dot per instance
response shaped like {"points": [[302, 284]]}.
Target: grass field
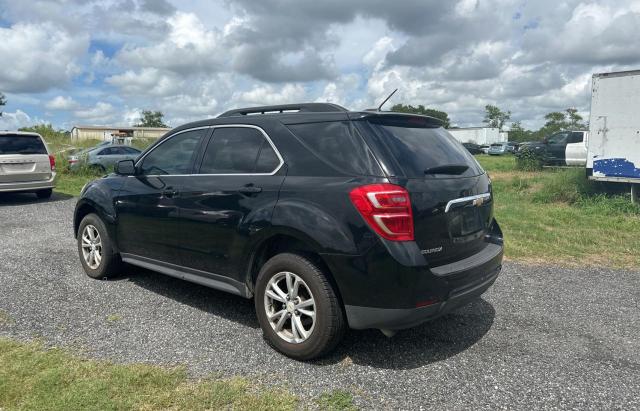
{"points": [[558, 216], [35, 378]]}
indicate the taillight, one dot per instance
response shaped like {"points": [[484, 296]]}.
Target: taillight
{"points": [[52, 162], [386, 208]]}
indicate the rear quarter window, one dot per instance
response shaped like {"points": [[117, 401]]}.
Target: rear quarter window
{"points": [[19, 144], [338, 144]]}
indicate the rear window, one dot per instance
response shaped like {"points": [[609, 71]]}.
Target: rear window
{"points": [[420, 149], [337, 143], [19, 144]]}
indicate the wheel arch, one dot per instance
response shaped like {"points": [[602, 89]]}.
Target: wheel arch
{"points": [[291, 241]]}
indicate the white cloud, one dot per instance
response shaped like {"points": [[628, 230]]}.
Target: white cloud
{"points": [[15, 120], [101, 113], [38, 57], [61, 103]]}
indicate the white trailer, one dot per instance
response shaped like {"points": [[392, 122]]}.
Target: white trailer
{"points": [[478, 135], [614, 129]]}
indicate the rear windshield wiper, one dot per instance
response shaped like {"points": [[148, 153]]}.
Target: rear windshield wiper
{"points": [[447, 169]]}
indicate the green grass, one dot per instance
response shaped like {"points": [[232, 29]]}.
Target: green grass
{"points": [[336, 400], [37, 379], [558, 216]]}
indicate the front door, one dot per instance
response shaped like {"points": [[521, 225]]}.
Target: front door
{"points": [[556, 146], [231, 198], [148, 215]]}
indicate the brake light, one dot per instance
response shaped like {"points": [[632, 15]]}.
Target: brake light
{"points": [[387, 210], [52, 162]]}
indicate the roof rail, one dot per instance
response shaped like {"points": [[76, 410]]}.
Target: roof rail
{"points": [[303, 107]]}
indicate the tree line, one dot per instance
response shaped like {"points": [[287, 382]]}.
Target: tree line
{"points": [[568, 119]]}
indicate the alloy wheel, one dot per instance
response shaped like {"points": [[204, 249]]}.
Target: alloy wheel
{"points": [[290, 307], [91, 246]]}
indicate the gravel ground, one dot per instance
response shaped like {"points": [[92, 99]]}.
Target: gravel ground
{"points": [[542, 337]]}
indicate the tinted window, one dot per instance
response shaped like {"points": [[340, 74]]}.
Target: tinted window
{"points": [[173, 156], [17, 144], [558, 138], [575, 137], [418, 146], [130, 150], [235, 150], [108, 151], [267, 159], [339, 145]]}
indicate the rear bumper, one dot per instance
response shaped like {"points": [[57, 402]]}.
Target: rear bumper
{"points": [[382, 291], [395, 319], [28, 185]]}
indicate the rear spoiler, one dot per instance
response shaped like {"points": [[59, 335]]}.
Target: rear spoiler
{"points": [[392, 116]]}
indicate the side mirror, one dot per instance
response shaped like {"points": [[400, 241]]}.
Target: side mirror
{"points": [[126, 168]]}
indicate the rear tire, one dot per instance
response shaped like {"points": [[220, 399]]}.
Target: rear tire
{"points": [[96, 249], [42, 194], [287, 307]]}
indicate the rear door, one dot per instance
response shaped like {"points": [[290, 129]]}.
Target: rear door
{"points": [[450, 193], [231, 198], [23, 158], [576, 150]]}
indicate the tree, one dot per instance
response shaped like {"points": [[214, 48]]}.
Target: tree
{"points": [[574, 120], [494, 117], [431, 112], [518, 133], [151, 119], [3, 101]]}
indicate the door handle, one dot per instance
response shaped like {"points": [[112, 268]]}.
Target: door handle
{"points": [[250, 190], [169, 192]]}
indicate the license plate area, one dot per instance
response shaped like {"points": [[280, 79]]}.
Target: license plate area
{"points": [[466, 221]]}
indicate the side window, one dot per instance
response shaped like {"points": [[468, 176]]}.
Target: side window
{"points": [[130, 150], [173, 156], [238, 150], [559, 138], [106, 152], [576, 137], [336, 144]]}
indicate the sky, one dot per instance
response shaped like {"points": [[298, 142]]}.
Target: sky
{"points": [[72, 62]]}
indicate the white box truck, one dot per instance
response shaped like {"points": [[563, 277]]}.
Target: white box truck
{"points": [[614, 129]]}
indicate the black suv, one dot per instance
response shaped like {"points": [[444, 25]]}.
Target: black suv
{"points": [[328, 218]]}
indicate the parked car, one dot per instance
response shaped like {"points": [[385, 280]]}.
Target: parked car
{"points": [[473, 148], [564, 148], [485, 148], [497, 149], [26, 164], [512, 147], [567, 148], [103, 157], [327, 218]]}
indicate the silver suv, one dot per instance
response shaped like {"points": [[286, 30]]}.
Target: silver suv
{"points": [[26, 164]]}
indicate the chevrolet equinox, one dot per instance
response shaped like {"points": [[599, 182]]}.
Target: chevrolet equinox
{"points": [[327, 218]]}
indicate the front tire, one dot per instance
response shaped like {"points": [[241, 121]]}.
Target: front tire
{"points": [[298, 309], [96, 250]]}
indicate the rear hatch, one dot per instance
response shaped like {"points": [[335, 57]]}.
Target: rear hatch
{"points": [[23, 158], [450, 193]]}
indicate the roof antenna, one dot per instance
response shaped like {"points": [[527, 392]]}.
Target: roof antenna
{"points": [[386, 99]]}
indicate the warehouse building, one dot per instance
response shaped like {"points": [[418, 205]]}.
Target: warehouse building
{"points": [[479, 135], [107, 133]]}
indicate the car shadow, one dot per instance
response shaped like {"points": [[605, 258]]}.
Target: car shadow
{"points": [[427, 343], [430, 342], [30, 198]]}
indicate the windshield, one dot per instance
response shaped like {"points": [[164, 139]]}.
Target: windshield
{"points": [[421, 149], [21, 144]]}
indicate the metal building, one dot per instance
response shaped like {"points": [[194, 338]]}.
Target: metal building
{"points": [[107, 133]]}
